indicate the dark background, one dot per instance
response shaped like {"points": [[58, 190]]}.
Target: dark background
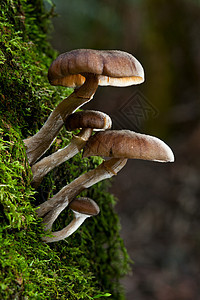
{"points": [[158, 203]]}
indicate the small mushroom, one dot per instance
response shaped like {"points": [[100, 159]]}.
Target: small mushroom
{"points": [[120, 145], [88, 120], [96, 120], [82, 208], [54, 206], [84, 70]]}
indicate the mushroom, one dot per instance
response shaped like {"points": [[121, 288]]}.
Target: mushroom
{"points": [[96, 120], [129, 144], [88, 120], [82, 209], [84, 70], [120, 145]]}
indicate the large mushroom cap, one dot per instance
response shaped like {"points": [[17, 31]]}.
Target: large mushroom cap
{"points": [[128, 144], [85, 206], [88, 119], [114, 67]]}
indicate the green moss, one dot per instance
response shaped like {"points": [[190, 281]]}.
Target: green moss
{"points": [[87, 265]]}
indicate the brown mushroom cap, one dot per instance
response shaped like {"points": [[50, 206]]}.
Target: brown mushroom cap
{"points": [[128, 144], [114, 67], [85, 206], [88, 119]]}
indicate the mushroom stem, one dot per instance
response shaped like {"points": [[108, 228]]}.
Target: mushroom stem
{"points": [[45, 165], [38, 144], [50, 218], [68, 230], [53, 207]]}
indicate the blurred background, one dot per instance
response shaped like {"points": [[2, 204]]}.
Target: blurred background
{"points": [[159, 204]]}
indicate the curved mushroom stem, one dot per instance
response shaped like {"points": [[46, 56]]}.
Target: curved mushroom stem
{"points": [[68, 230], [38, 144], [53, 207], [50, 218], [45, 165], [82, 208]]}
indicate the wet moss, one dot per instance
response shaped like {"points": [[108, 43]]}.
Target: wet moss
{"points": [[89, 264]]}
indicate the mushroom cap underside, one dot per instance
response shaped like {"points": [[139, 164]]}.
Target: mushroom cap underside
{"points": [[128, 144], [113, 67], [85, 206]]}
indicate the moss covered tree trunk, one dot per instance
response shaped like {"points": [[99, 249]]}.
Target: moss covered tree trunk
{"points": [[89, 264]]}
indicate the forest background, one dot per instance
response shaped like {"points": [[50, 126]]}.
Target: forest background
{"points": [[158, 204]]}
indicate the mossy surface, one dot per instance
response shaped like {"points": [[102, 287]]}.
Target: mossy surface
{"points": [[89, 264]]}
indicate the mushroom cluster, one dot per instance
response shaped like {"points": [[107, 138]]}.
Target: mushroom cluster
{"points": [[84, 70]]}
